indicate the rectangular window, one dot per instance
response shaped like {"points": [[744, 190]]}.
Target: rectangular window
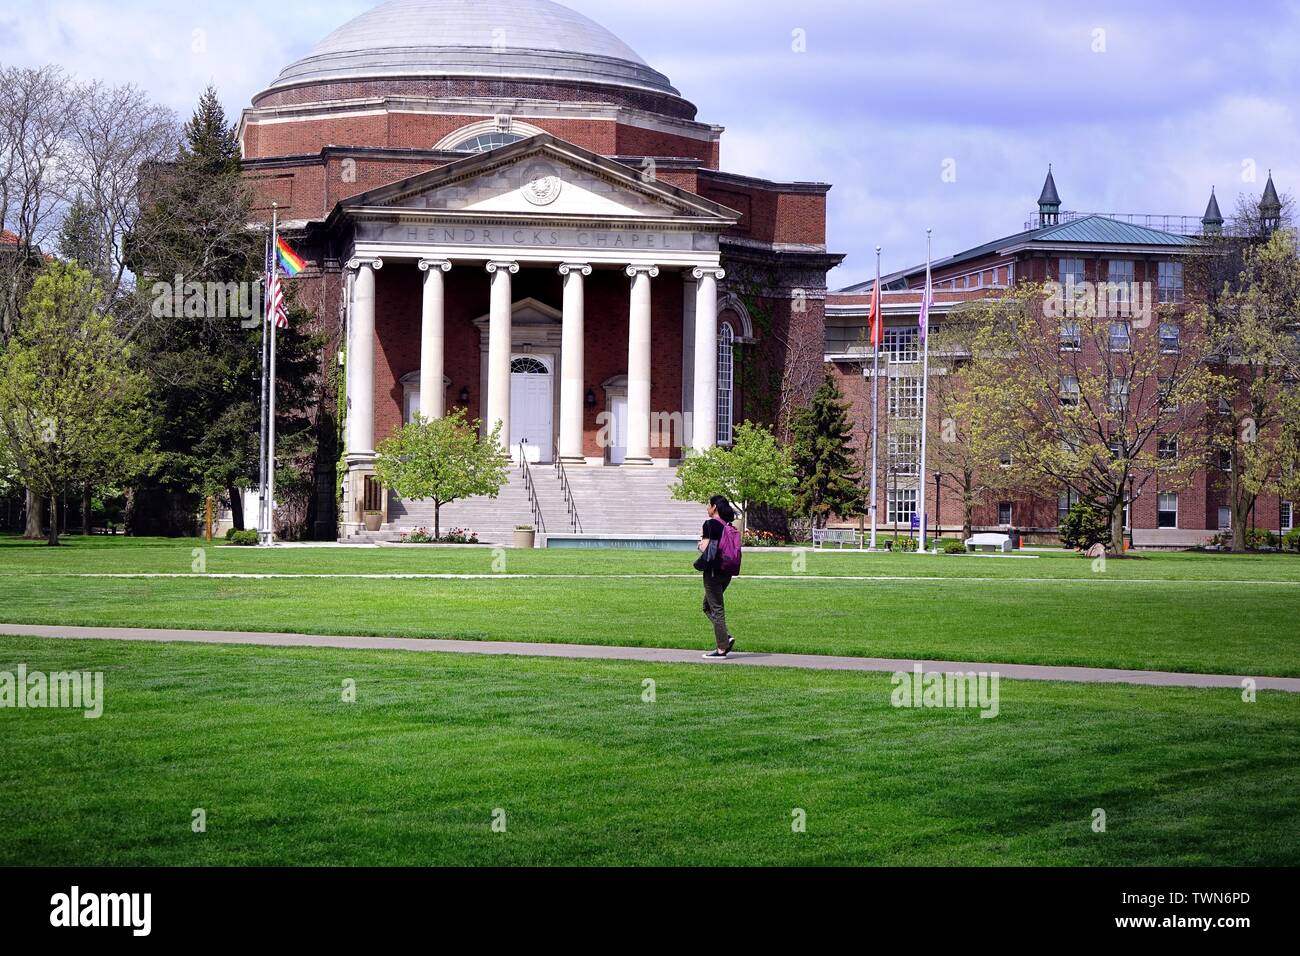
{"points": [[1067, 501], [1004, 513], [1069, 390], [1119, 337], [1288, 511], [902, 344], [1167, 510], [1167, 448], [902, 505], [904, 453], [1117, 292], [1225, 459], [1071, 272], [905, 396], [1120, 270], [1170, 338], [1225, 519], [1071, 340], [1171, 281], [1118, 396]]}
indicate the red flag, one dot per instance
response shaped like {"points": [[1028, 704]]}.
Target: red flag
{"points": [[877, 320]]}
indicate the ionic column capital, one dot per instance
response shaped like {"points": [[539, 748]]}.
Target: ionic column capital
{"points": [[634, 270], [582, 268], [427, 264], [496, 264], [358, 261], [699, 272]]}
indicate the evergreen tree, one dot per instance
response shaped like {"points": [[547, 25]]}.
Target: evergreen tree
{"points": [[830, 480], [211, 143], [205, 369], [80, 239]]}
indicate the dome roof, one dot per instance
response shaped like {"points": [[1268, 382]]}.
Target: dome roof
{"points": [[496, 39]]}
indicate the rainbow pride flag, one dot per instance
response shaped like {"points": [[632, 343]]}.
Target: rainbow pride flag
{"points": [[290, 261]]}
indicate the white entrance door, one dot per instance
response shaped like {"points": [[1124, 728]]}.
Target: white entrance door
{"points": [[531, 398], [618, 429]]}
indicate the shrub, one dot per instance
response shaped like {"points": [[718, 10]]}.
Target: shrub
{"points": [[953, 546], [762, 539], [1292, 540], [1258, 539], [230, 533], [242, 538], [1083, 526]]}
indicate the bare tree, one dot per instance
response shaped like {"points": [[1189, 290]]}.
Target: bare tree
{"points": [[117, 132]]}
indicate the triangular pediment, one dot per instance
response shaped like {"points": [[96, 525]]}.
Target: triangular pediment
{"points": [[541, 177]]}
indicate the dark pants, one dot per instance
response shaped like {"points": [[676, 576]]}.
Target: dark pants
{"points": [[715, 583]]}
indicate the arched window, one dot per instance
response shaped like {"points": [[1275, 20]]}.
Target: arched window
{"points": [[485, 142], [726, 382], [526, 365]]}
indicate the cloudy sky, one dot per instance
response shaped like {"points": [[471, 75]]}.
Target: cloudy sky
{"points": [[941, 113]]}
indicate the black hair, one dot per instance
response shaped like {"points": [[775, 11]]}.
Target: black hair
{"points": [[724, 509]]}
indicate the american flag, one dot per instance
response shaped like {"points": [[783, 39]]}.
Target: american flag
{"points": [[275, 294]]}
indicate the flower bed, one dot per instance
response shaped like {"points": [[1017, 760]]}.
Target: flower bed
{"points": [[425, 536]]}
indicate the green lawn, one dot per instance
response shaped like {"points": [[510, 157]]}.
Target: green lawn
{"points": [[1185, 612], [588, 773]]}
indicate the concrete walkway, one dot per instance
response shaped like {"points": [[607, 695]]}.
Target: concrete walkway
{"points": [[1088, 675]]}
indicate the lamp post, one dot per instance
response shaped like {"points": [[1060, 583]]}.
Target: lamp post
{"points": [[938, 510]]}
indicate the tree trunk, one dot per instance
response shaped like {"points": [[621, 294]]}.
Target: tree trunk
{"points": [[86, 505], [35, 511], [236, 508], [437, 526], [53, 538], [1239, 511], [1117, 528]]}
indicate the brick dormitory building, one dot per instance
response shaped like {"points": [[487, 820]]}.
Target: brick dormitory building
{"points": [[1064, 247], [505, 210]]}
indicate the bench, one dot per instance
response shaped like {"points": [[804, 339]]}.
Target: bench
{"points": [[841, 536], [989, 540]]}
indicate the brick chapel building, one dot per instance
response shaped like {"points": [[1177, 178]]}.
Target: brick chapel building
{"points": [[505, 209]]}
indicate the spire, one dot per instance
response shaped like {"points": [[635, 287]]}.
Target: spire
{"points": [[1212, 221], [1270, 207], [1049, 202]]}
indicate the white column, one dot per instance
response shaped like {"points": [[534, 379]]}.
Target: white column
{"points": [[572, 366], [705, 417], [499, 345], [688, 359], [638, 366], [361, 360], [433, 394]]}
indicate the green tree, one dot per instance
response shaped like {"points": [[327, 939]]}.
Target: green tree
{"points": [[1254, 324], [1083, 526], [442, 460], [829, 478], [70, 408], [755, 470]]}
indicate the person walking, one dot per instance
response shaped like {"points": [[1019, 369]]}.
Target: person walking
{"points": [[719, 563]]}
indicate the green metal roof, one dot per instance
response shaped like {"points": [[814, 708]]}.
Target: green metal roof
{"points": [[1110, 231]]}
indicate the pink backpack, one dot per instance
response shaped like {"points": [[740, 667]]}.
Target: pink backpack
{"points": [[729, 550]]}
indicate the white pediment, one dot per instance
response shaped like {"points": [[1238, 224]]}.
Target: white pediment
{"points": [[538, 184]]}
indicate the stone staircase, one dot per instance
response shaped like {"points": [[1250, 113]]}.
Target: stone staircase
{"points": [[609, 500]]}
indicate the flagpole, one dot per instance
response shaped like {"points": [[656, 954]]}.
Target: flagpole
{"points": [[875, 390], [925, 392], [261, 404], [270, 415]]}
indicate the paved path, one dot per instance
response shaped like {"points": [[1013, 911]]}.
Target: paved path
{"points": [[1090, 675]]}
